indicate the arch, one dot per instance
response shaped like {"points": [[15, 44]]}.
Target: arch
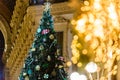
{"points": [[5, 29]]}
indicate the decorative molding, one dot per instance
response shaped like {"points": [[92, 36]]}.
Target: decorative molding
{"points": [[4, 27], [60, 19], [56, 9]]}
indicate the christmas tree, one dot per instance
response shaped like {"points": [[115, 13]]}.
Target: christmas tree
{"points": [[44, 61]]}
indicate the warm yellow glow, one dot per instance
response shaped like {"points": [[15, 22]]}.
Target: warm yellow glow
{"points": [[80, 27], [114, 72], [74, 60], [69, 63], [97, 34], [73, 22], [86, 3], [84, 51], [79, 64]]}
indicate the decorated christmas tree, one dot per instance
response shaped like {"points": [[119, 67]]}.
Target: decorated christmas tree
{"points": [[44, 61]]}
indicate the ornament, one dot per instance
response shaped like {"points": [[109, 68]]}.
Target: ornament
{"points": [[24, 73], [60, 66], [35, 40], [56, 65], [58, 51], [61, 58], [45, 31], [33, 49], [39, 77], [49, 58], [44, 40], [41, 47], [26, 78], [24, 65], [46, 76], [53, 73], [38, 30], [37, 68], [51, 36], [36, 58], [29, 71]]}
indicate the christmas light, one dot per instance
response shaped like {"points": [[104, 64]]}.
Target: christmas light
{"points": [[91, 67], [96, 29]]}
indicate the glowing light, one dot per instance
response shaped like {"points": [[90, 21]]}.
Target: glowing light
{"points": [[77, 76], [74, 60], [97, 5], [97, 34], [88, 37], [86, 3], [91, 67], [83, 77], [69, 63], [79, 64], [73, 22], [84, 51]]}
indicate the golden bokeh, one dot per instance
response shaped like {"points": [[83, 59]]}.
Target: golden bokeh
{"points": [[96, 32]]}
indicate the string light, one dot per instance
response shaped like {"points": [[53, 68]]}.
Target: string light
{"points": [[97, 35]]}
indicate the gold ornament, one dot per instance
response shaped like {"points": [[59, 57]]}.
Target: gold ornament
{"points": [[60, 66], [51, 36], [53, 73], [41, 47], [33, 49], [49, 58], [37, 68], [26, 78]]}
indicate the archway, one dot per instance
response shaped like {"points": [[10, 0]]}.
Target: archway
{"points": [[2, 46], [5, 45]]}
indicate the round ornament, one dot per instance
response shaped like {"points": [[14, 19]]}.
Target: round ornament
{"points": [[41, 47], [37, 68], [38, 30], [26, 78], [46, 76], [53, 73], [51, 36], [30, 72]]}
